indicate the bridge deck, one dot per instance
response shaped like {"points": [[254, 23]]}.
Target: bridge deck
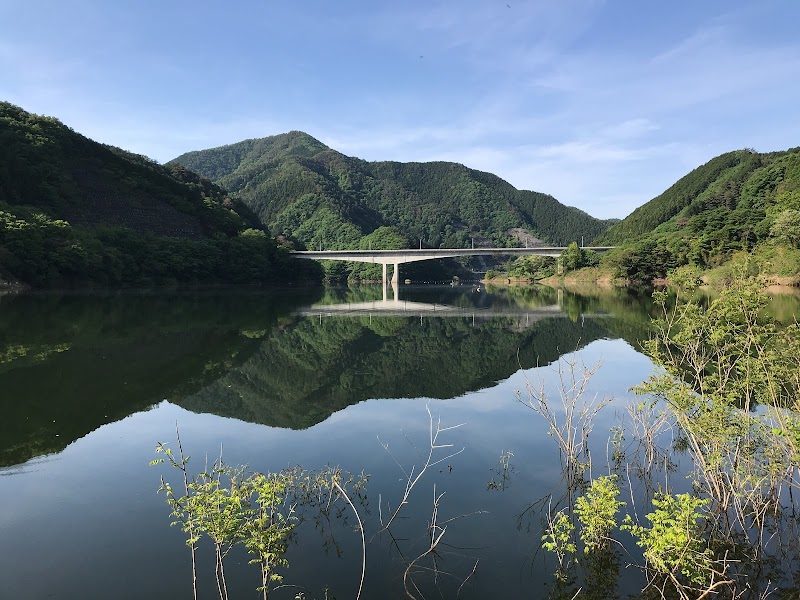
{"points": [[399, 257], [413, 254]]}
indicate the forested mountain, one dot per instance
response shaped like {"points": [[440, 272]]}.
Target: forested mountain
{"points": [[680, 195], [301, 188], [736, 202], [73, 211]]}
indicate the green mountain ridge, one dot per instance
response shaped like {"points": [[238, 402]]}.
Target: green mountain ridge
{"points": [[76, 212], [300, 188], [741, 205], [741, 201]]}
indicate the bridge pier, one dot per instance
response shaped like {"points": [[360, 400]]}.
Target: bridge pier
{"points": [[395, 275], [395, 292]]}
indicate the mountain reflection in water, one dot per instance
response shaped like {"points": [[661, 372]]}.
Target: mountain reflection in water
{"points": [[70, 363]]}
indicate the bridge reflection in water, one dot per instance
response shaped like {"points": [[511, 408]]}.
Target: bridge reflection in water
{"points": [[396, 306]]}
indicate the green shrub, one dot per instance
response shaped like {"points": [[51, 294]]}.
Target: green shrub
{"points": [[673, 543], [597, 512]]}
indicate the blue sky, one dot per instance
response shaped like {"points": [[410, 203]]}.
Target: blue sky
{"points": [[603, 104]]}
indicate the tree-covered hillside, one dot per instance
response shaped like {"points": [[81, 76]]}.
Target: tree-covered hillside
{"points": [[668, 204], [742, 201], [300, 188], [74, 212]]}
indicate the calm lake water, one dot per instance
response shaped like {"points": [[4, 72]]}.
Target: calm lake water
{"points": [[90, 383]]}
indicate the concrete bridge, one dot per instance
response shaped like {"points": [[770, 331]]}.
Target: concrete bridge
{"points": [[398, 257]]}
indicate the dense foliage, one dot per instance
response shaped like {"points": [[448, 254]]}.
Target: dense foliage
{"points": [[719, 361], [530, 267], [300, 188], [73, 212], [738, 202]]}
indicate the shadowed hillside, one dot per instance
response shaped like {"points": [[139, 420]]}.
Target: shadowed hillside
{"points": [[74, 212]]}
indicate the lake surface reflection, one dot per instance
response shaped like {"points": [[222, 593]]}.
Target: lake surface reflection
{"points": [[341, 377]]}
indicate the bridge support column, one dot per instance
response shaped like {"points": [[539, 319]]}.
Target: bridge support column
{"points": [[385, 279], [396, 274]]}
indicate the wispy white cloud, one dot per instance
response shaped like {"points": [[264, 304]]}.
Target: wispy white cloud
{"points": [[631, 128], [581, 152], [696, 43]]}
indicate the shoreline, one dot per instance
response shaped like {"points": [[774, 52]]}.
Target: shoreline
{"points": [[593, 276]]}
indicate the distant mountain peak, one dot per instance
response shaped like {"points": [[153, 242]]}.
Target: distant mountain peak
{"points": [[301, 188]]}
